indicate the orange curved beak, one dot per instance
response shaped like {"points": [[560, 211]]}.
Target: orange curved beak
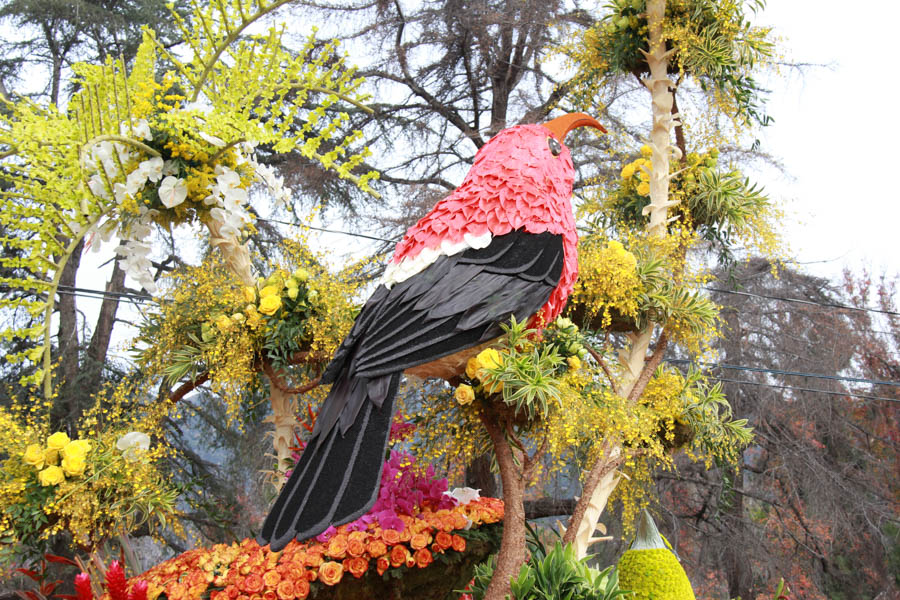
{"points": [[561, 126]]}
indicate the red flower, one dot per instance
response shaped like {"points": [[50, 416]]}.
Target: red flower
{"points": [[399, 555], [459, 543], [232, 591], [138, 591], [382, 565], [443, 539], [357, 566], [266, 595], [115, 581], [83, 587], [423, 558], [330, 573]]}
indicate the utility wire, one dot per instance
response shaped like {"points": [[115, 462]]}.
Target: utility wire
{"points": [[803, 389], [780, 372], [338, 231], [801, 301]]}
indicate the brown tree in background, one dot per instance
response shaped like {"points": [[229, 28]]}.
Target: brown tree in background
{"points": [[815, 501]]}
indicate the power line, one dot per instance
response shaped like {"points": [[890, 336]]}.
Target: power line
{"points": [[338, 231], [780, 372], [801, 301], [803, 389]]}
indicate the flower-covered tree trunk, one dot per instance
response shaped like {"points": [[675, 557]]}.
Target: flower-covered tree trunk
{"points": [[638, 368]]}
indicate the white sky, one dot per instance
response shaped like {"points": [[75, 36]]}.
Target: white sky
{"points": [[833, 125]]}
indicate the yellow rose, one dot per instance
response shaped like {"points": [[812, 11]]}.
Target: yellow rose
{"points": [[574, 363], [646, 151], [643, 188], [269, 305], [489, 359], [51, 456], [223, 323], [249, 294], [270, 290], [627, 171], [293, 292], [253, 318], [300, 275], [472, 368], [464, 394], [76, 449], [34, 456], [51, 476], [57, 441], [73, 466]]}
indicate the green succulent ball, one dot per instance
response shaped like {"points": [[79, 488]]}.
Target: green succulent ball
{"points": [[654, 574]]}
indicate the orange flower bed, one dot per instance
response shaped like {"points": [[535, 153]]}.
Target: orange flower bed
{"points": [[246, 571]]}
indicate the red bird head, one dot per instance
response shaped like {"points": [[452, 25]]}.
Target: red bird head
{"points": [[522, 178]]}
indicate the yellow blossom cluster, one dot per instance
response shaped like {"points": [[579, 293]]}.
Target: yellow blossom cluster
{"points": [[608, 282], [58, 459]]}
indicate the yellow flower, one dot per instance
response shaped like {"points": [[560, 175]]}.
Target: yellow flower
{"points": [[51, 456], [253, 318], [249, 294], [238, 318], [472, 368], [489, 359], [300, 275], [270, 304], [464, 394], [76, 449], [270, 290], [628, 171], [223, 323], [574, 363], [34, 456], [57, 441], [646, 151], [293, 292], [73, 466], [643, 188], [615, 245], [51, 476]]}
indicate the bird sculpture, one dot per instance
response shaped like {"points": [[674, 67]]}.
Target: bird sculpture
{"points": [[502, 244]]}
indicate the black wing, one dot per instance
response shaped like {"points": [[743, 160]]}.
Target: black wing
{"points": [[457, 302]]}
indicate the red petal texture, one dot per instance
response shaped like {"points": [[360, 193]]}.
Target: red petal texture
{"points": [[115, 581], [83, 587], [515, 182]]}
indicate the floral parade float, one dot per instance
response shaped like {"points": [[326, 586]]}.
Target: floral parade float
{"points": [[173, 142]]}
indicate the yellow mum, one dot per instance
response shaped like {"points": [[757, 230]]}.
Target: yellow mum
{"points": [[643, 188], [270, 304], [51, 476], [574, 363], [628, 171], [57, 441], [34, 456]]}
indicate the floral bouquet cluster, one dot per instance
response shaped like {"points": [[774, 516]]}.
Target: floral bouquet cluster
{"points": [[363, 554], [90, 487]]}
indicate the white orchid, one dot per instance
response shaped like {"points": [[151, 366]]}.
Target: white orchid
{"points": [[132, 442], [211, 139], [152, 169], [464, 495], [172, 191]]}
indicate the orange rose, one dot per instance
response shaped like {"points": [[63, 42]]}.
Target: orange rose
{"points": [[382, 565], [252, 584], [356, 547], [357, 566], [398, 556], [330, 573], [271, 579], [314, 559], [232, 592], [337, 547], [419, 540], [443, 539], [285, 590], [410, 561], [376, 548], [423, 558], [391, 537], [301, 588], [357, 535], [406, 534], [459, 521], [266, 595], [459, 543]]}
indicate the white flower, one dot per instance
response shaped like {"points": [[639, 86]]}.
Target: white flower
{"points": [[142, 130], [135, 181], [172, 191], [131, 442], [152, 169], [464, 495], [169, 168], [98, 187], [228, 179], [211, 139]]}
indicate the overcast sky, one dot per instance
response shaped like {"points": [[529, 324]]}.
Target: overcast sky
{"points": [[833, 126]]}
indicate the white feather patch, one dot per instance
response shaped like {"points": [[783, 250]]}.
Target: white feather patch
{"points": [[409, 266]]}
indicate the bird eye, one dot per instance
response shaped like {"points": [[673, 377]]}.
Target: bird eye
{"points": [[555, 147]]}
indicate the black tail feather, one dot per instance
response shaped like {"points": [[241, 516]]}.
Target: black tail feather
{"points": [[337, 477]]}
